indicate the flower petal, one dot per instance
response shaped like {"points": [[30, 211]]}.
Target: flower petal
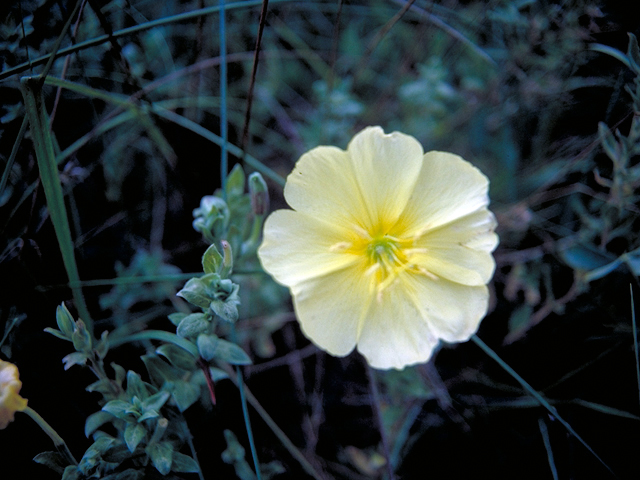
{"points": [[330, 309], [386, 168], [447, 188], [10, 399], [323, 186], [297, 247], [453, 311], [367, 186], [460, 251], [394, 333]]}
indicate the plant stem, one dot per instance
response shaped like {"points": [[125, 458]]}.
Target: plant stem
{"points": [[375, 400], [53, 435]]}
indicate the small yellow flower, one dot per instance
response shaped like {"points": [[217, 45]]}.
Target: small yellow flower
{"points": [[10, 400], [387, 248]]}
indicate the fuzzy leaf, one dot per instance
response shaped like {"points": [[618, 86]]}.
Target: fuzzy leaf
{"points": [[120, 373], [160, 371], [231, 353], [195, 293], [176, 318], [235, 181], [71, 473], [177, 356], [119, 409], [161, 455], [633, 53], [193, 325], [184, 464], [75, 358], [135, 386], [133, 435], [103, 386], [95, 421], [128, 474], [211, 260], [57, 333], [155, 402], [207, 346], [185, 394], [226, 310], [148, 414]]}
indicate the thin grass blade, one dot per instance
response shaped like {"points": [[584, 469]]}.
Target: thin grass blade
{"points": [[43, 145], [541, 400], [635, 338]]}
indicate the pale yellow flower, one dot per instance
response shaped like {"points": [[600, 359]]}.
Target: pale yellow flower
{"points": [[386, 248], [10, 400]]}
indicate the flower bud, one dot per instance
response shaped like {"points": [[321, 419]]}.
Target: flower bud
{"points": [[227, 259], [81, 338], [212, 217], [64, 320], [259, 194]]}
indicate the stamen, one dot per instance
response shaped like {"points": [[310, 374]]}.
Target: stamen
{"points": [[340, 247]]}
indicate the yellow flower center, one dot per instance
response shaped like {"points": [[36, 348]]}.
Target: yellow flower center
{"points": [[384, 257]]}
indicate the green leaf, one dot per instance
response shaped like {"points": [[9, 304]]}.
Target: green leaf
{"points": [[71, 473], [185, 394], [633, 53], [161, 455], [54, 460], [57, 333], [216, 374], [160, 371], [102, 347], [119, 409], [135, 386], [176, 318], [177, 356], [226, 309], [195, 293], [211, 260], [207, 346], [116, 453], [103, 386], [75, 358], [149, 414], [193, 325], [134, 433], [120, 373], [128, 474], [95, 421], [235, 181], [231, 353], [155, 402], [184, 464]]}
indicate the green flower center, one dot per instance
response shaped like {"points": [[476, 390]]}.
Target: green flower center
{"points": [[386, 252]]}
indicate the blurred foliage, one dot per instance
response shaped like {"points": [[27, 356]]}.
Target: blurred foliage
{"points": [[543, 96]]}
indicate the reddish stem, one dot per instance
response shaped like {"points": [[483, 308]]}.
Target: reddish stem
{"points": [[207, 375]]}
